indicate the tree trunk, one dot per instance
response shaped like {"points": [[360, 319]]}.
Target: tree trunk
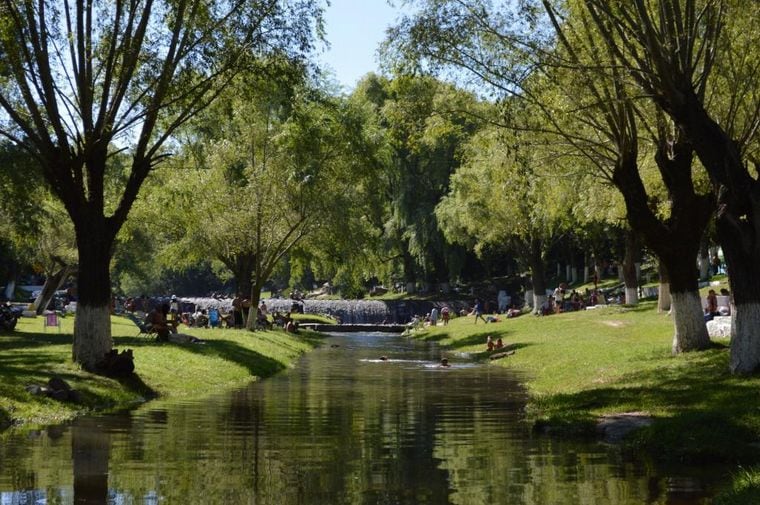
{"points": [[253, 312], [244, 273], [632, 254], [538, 274], [92, 325], [663, 298], [530, 299], [52, 284], [10, 288], [738, 220], [744, 278], [703, 260], [688, 315], [691, 332]]}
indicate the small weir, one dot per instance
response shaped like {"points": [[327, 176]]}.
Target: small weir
{"points": [[346, 311]]}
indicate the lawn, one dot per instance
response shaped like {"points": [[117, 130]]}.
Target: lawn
{"points": [[581, 365], [31, 355]]}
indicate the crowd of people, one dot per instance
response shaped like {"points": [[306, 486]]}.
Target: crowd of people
{"points": [[163, 317], [564, 300]]}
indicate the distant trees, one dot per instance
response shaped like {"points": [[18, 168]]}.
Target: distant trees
{"points": [[426, 124]]}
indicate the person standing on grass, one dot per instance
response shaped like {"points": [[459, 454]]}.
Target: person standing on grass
{"points": [[434, 317], [479, 311], [445, 315]]}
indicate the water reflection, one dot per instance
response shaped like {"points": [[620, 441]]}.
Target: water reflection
{"points": [[344, 427]]}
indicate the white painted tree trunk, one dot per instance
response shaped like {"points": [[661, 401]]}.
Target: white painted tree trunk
{"points": [[95, 323], [703, 262], [568, 273], [9, 289], [631, 296], [663, 300], [538, 302], [410, 287], [586, 274], [574, 275], [529, 298], [745, 338], [688, 318]]}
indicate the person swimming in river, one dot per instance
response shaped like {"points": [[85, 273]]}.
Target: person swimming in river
{"points": [[444, 363]]}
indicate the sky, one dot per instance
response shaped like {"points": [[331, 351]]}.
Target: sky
{"points": [[355, 29]]}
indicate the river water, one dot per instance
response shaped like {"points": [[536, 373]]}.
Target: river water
{"points": [[342, 427]]}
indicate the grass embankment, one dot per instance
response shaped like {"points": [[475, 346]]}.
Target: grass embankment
{"points": [[579, 366], [228, 358]]}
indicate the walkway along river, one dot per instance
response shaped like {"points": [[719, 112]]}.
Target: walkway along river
{"points": [[343, 427]]}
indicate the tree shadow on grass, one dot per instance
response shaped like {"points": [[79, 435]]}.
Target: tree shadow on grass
{"points": [[134, 383], [17, 341], [710, 418], [256, 363]]}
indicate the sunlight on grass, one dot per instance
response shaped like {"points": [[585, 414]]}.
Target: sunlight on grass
{"points": [[581, 365], [33, 354]]}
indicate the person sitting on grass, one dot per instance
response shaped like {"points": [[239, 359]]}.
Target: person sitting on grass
{"points": [[158, 323], [499, 343], [489, 343], [711, 310]]}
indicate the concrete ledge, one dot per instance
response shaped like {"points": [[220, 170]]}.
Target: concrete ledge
{"points": [[720, 326], [327, 328]]}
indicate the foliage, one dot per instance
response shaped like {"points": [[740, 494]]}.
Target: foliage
{"points": [[425, 123]]}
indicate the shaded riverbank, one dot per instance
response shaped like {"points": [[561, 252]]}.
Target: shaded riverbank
{"points": [[227, 358]]}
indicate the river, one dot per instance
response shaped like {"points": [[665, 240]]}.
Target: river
{"points": [[342, 427]]}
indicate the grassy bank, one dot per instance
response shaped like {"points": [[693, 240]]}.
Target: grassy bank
{"points": [[31, 355], [582, 365]]}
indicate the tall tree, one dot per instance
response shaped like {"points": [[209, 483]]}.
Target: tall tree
{"points": [[272, 172], [697, 60], [86, 80], [426, 123], [498, 198]]}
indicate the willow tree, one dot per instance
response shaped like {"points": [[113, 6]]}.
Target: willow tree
{"points": [[263, 170], [426, 122], [85, 80], [604, 120], [499, 197], [697, 60]]}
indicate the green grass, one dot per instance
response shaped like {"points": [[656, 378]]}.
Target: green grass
{"points": [[744, 489], [581, 365], [228, 358], [313, 318]]}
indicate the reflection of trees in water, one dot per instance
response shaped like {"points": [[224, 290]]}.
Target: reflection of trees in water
{"points": [[360, 433], [90, 453]]}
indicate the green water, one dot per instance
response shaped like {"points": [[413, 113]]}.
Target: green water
{"points": [[343, 427]]}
